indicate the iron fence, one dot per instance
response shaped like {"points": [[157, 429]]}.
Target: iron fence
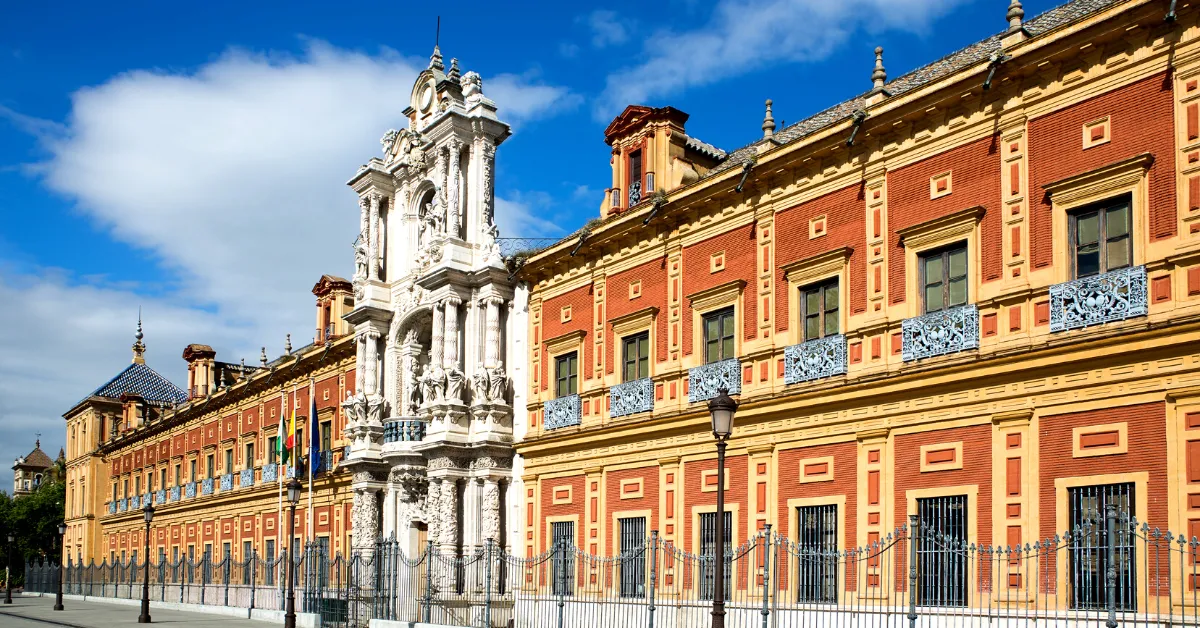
{"points": [[1107, 569]]}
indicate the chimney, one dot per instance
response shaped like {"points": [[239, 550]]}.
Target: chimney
{"points": [[201, 361]]}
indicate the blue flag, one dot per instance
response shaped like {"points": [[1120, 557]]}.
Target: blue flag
{"points": [[314, 438]]}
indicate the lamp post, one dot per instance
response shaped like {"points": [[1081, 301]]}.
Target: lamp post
{"points": [[721, 408], [148, 515], [62, 533], [289, 618], [8, 575]]}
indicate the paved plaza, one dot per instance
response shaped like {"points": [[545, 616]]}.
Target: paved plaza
{"points": [[38, 612]]}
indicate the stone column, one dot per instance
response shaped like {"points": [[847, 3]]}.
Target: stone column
{"points": [[365, 514], [492, 344], [433, 510], [438, 348], [373, 227], [370, 384], [451, 348], [453, 211], [408, 373], [441, 179], [450, 523]]}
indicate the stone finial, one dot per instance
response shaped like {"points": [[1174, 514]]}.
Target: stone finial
{"points": [[1015, 15], [243, 368], [454, 74], [262, 357], [435, 59], [287, 348], [879, 76], [768, 125], [139, 347]]}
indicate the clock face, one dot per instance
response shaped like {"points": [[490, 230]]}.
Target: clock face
{"points": [[426, 97]]}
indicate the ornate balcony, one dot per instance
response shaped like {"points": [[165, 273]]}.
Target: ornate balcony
{"points": [[160, 497], [704, 381], [631, 397], [290, 471], [562, 412], [635, 193], [206, 486], [246, 478], [123, 505], [1113, 296], [270, 472], [227, 482], [939, 333], [406, 430], [112, 508], [148, 498], [174, 494], [135, 502], [189, 490], [822, 357]]}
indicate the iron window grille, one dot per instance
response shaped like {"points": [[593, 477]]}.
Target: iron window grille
{"points": [[819, 309], [817, 563], [1089, 558], [1100, 239], [633, 557], [269, 572], [942, 551], [563, 567], [718, 335], [566, 374], [635, 356], [708, 546], [944, 278]]}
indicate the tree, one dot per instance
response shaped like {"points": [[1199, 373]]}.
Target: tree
{"points": [[33, 519]]}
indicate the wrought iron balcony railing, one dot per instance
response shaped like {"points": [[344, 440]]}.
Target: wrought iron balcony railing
{"points": [[562, 412], [631, 397], [160, 497], [246, 478], [635, 193], [290, 471], [822, 357], [227, 482], [704, 381], [123, 505], [112, 508], [270, 472], [206, 486], [939, 333], [1113, 296], [174, 493], [148, 498], [189, 490], [135, 502], [407, 430]]}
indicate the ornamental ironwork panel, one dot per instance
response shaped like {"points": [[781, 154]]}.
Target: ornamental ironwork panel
{"points": [[148, 498], [206, 486], [135, 502], [112, 508], [631, 397], [635, 193], [269, 472], [822, 357], [704, 381], [1113, 296], [407, 430], [291, 471], [562, 412], [160, 497], [227, 482], [189, 490], [938, 333], [123, 505], [174, 493], [246, 478]]}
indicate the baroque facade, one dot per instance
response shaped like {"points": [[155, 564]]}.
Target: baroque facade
{"points": [[436, 318], [974, 288], [206, 457]]}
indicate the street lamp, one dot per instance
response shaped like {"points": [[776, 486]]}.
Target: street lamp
{"points": [[148, 515], [721, 408], [293, 491], [62, 533], [8, 576]]}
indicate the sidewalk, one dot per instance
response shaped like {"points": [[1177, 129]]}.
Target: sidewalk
{"points": [[28, 611]]}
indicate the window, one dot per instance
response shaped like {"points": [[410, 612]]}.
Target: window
{"points": [[941, 561], [1089, 550], [269, 566], [178, 476], [207, 569], [327, 436], [191, 563], [175, 554], [708, 546], [633, 557], [718, 335], [273, 450], [635, 177], [193, 471], [563, 571], [211, 466], [248, 461], [817, 560], [125, 488], [635, 356], [322, 558], [566, 374], [133, 559], [944, 278], [819, 309], [114, 491], [162, 478], [228, 461], [162, 557], [1100, 240]]}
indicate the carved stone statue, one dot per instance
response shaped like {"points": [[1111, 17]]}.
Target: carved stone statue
{"points": [[472, 85], [414, 385], [479, 386], [454, 385], [375, 411], [426, 381], [437, 384], [497, 384], [360, 257]]}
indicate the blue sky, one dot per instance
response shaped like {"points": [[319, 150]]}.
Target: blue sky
{"points": [[191, 160]]}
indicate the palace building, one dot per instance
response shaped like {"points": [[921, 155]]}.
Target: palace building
{"points": [[970, 293], [206, 456]]}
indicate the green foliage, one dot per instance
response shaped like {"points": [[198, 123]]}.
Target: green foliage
{"points": [[33, 519]]}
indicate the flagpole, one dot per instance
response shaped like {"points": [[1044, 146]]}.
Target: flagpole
{"points": [[279, 478], [312, 434]]}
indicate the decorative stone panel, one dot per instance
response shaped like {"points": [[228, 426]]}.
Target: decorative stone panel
{"points": [[1113, 296], [562, 412], [939, 333], [822, 357], [704, 381], [631, 397]]}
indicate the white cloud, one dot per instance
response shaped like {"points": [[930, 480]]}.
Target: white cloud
{"points": [[527, 215], [747, 35], [608, 29], [232, 177]]}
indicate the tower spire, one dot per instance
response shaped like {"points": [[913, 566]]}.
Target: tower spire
{"points": [[139, 347]]}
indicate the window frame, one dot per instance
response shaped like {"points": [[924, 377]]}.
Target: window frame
{"points": [[632, 578], [727, 313], [571, 380], [1100, 209], [641, 361], [945, 253], [822, 289]]}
